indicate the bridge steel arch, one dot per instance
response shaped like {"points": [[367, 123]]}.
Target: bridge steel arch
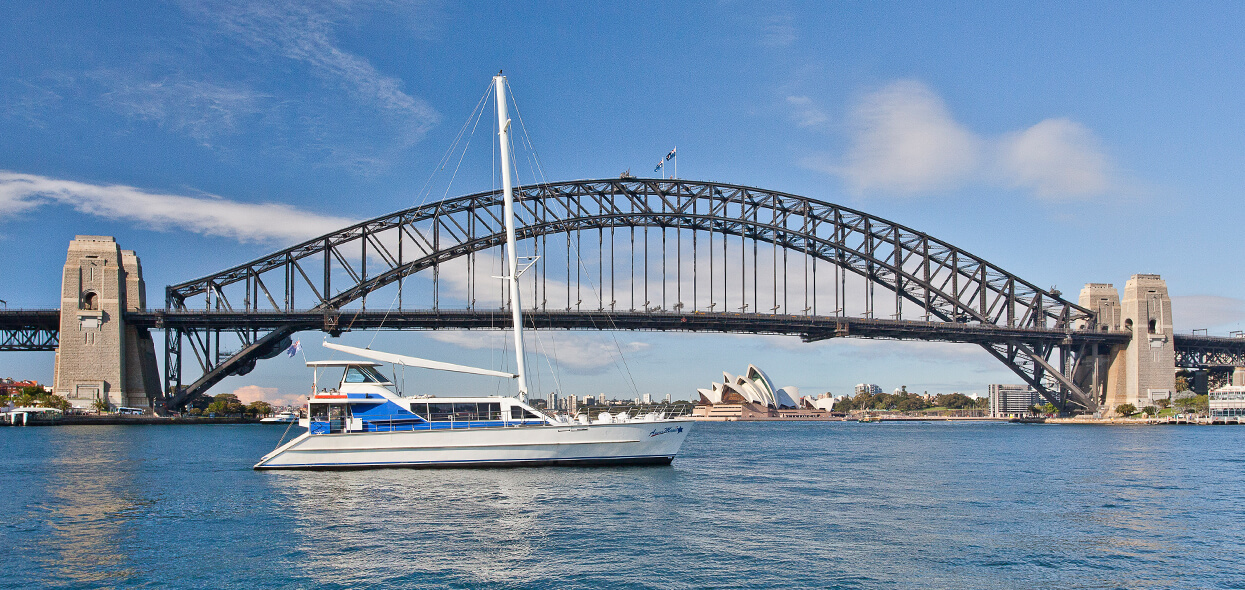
{"points": [[1044, 338]]}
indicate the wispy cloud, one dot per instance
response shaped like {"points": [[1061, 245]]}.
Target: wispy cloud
{"points": [[1191, 312], [806, 114], [303, 31], [576, 352], [779, 31], [905, 141], [208, 215], [203, 110]]}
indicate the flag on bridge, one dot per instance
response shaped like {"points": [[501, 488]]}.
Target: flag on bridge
{"points": [[660, 164], [670, 155], [295, 348]]}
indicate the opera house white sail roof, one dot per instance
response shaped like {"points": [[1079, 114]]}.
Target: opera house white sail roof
{"points": [[754, 386]]}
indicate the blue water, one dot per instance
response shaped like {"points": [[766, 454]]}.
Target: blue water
{"points": [[748, 505]]}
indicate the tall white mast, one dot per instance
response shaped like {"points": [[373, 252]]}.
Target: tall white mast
{"points": [[512, 257]]}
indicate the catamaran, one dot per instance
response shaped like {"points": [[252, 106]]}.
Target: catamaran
{"points": [[364, 421]]}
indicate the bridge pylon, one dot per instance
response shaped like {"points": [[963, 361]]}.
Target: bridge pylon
{"points": [[100, 357], [1143, 369]]}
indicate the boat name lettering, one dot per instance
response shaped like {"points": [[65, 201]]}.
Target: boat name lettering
{"points": [[665, 430]]}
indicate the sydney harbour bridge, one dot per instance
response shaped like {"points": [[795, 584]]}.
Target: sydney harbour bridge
{"points": [[631, 254]]}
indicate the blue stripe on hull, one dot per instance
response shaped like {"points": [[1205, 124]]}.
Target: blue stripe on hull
{"points": [[474, 464]]}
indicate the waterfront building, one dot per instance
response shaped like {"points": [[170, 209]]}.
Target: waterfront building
{"points": [[752, 396], [648, 398], [1227, 402], [667, 400], [1010, 401]]}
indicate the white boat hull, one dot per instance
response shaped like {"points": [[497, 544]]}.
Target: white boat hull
{"points": [[640, 442]]}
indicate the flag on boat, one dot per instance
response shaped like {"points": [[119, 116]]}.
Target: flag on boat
{"points": [[295, 348], [670, 155]]}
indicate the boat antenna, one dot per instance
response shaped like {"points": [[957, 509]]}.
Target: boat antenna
{"points": [[512, 258]]}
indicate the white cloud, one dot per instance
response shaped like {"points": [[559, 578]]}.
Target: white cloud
{"points": [[1190, 312], [208, 215], [904, 141], [1056, 158], [252, 393], [577, 352]]}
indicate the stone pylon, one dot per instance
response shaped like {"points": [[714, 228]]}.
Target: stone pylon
{"points": [[1105, 375], [100, 357], [1143, 371], [1147, 311]]}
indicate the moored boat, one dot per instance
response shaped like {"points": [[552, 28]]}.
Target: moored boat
{"points": [[366, 422]]}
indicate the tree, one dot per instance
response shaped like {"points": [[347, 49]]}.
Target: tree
{"points": [[1126, 410], [1049, 408], [101, 406], [1151, 410], [1164, 403], [259, 408]]}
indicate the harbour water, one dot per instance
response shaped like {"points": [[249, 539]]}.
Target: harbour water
{"points": [[747, 505]]}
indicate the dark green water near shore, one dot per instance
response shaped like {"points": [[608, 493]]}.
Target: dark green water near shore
{"points": [[748, 505]]}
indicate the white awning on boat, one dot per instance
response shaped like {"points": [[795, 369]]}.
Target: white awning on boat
{"points": [[410, 361]]}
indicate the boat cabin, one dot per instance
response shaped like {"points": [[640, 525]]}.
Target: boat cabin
{"points": [[365, 400]]}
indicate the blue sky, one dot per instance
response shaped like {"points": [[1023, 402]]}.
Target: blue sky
{"points": [[1068, 144]]}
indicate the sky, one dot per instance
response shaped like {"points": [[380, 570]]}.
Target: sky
{"points": [[1068, 144]]}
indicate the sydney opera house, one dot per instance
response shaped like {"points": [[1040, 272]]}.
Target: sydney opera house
{"points": [[752, 396]]}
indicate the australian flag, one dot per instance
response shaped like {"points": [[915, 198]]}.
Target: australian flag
{"points": [[660, 165], [669, 155], [295, 348]]}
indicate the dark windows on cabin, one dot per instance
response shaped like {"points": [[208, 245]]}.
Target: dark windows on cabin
{"points": [[364, 374], [517, 413], [457, 412]]}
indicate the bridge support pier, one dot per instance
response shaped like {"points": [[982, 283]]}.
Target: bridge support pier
{"points": [[1144, 370], [100, 358]]}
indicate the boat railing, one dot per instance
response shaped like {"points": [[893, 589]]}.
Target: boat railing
{"points": [[408, 422]]}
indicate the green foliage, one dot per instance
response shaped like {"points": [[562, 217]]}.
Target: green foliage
{"points": [[1195, 404], [226, 404], [1182, 383], [1150, 410], [1126, 410], [1049, 408], [259, 408], [1164, 403], [101, 406]]}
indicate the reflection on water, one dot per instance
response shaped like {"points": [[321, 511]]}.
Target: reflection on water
{"points": [[757, 505]]}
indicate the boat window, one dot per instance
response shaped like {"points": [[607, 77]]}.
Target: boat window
{"points": [[490, 411], [517, 413], [440, 412], [465, 411], [364, 374]]}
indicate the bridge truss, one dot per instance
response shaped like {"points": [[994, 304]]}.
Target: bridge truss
{"points": [[637, 254]]}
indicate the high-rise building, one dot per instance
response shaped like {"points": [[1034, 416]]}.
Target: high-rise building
{"points": [[553, 401], [648, 398], [870, 388], [667, 398], [1012, 400]]}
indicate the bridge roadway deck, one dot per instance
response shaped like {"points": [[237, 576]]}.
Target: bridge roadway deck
{"points": [[810, 328], [37, 329]]}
